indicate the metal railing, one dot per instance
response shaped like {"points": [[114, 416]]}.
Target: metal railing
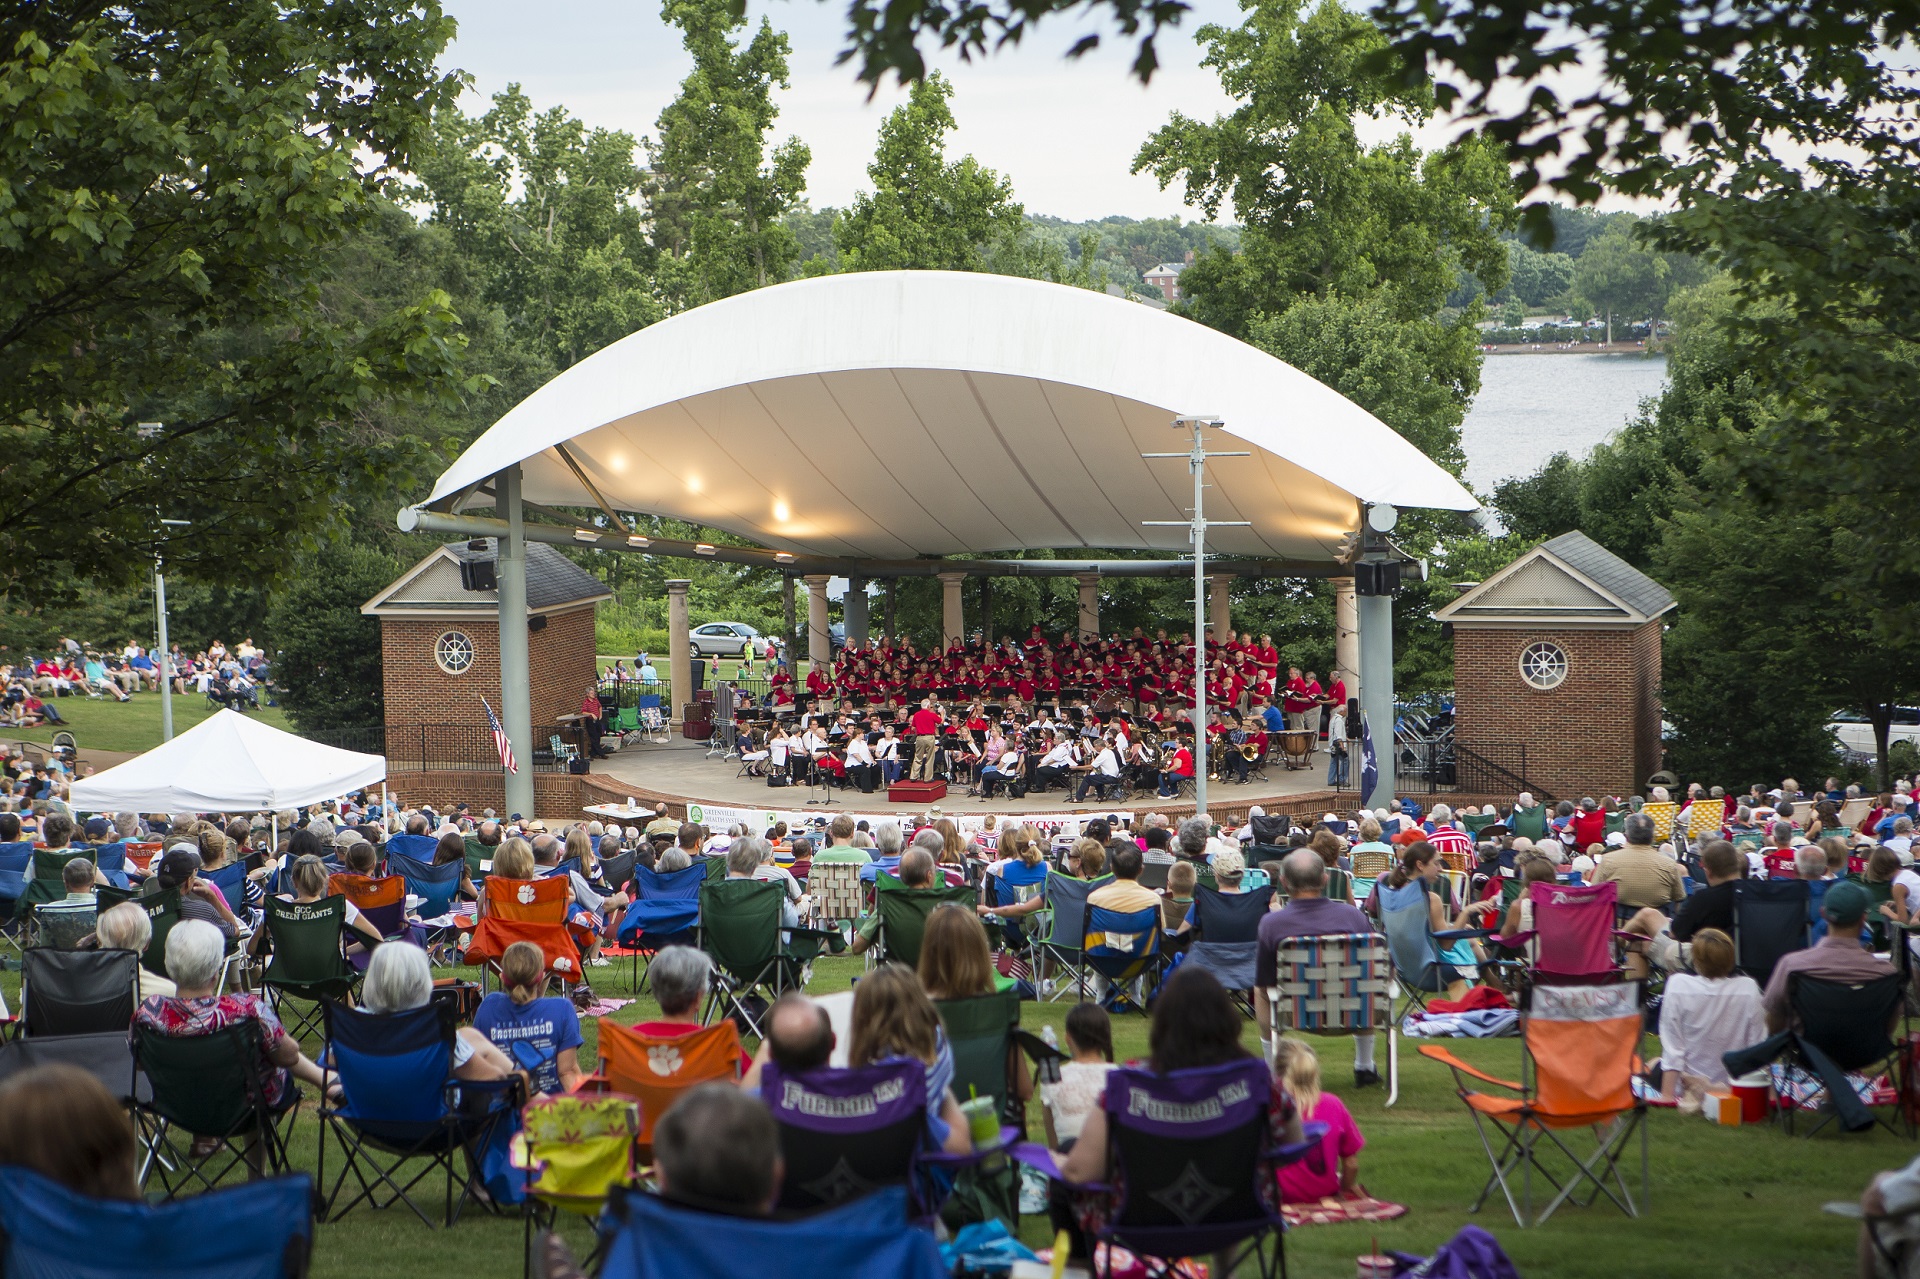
{"points": [[1431, 768], [449, 748]]}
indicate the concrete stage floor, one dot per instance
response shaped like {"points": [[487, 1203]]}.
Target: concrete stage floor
{"points": [[680, 772]]}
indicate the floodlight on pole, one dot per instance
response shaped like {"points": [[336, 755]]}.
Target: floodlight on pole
{"points": [[1197, 529]]}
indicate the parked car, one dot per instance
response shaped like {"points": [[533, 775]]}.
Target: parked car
{"points": [[1855, 730], [725, 639]]}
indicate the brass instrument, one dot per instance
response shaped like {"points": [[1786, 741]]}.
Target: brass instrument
{"points": [[1250, 752]]}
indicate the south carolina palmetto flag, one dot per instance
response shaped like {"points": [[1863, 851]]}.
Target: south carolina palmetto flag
{"points": [[1369, 762], [500, 742]]}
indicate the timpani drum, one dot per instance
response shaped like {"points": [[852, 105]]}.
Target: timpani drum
{"points": [[1296, 744]]}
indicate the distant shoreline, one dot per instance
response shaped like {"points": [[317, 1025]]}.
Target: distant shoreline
{"points": [[1581, 348]]}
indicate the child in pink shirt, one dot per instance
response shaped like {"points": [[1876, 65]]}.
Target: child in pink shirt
{"points": [[1333, 1169]]}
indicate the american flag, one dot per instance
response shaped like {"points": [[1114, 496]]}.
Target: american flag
{"points": [[500, 742]]}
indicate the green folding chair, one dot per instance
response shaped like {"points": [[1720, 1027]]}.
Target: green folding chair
{"points": [[307, 963], [626, 720], [163, 912], [903, 915], [984, 1032], [209, 1086], [477, 853], [753, 964], [47, 885], [1057, 951]]}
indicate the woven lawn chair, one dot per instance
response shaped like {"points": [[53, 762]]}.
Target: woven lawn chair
{"points": [[1580, 1045], [838, 895], [1338, 984]]}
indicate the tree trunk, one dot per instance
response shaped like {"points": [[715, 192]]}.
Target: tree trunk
{"points": [[1609, 328], [1881, 713]]}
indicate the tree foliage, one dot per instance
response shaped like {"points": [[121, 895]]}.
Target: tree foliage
{"points": [[717, 198], [173, 182], [327, 664], [925, 213]]}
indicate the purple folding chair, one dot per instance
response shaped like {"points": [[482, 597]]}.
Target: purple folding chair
{"points": [[845, 1133], [1192, 1167]]}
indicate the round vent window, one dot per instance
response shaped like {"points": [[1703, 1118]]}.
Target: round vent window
{"points": [[1543, 665], [454, 652]]}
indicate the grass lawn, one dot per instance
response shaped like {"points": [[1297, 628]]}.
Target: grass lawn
{"points": [[106, 725], [1723, 1201]]}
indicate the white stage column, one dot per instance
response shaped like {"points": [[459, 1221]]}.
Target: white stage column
{"points": [[819, 634], [1219, 606], [1346, 636], [854, 608], [1089, 606], [679, 660], [953, 626]]}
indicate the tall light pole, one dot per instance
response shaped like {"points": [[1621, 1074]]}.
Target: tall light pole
{"points": [[148, 431], [1197, 526]]}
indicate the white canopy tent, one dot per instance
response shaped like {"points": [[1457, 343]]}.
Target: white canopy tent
{"points": [[224, 764], [884, 415]]}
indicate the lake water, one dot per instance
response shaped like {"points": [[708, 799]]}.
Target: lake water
{"points": [[1533, 406]]}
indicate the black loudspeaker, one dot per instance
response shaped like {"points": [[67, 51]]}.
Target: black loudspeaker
{"points": [[697, 674], [536, 624], [478, 575], [1376, 577]]}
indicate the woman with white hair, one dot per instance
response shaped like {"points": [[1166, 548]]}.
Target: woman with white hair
{"points": [[399, 979], [196, 952], [126, 927]]}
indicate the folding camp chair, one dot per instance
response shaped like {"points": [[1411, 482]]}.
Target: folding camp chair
{"points": [[1124, 948], [307, 962], [838, 895], [1057, 950], [381, 902], [1579, 1047], [616, 870], [983, 1031], [1770, 919], [657, 1069], [435, 885], [163, 912], [867, 1238], [258, 1231], [846, 1133], [16, 868], [62, 926], [111, 859], [47, 884], [1226, 931], [77, 992], [1196, 1161], [574, 1150], [903, 915], [1844, 1032], [1416, 950], [531, 910], [752, 954], [664, 912], [403, 1103], [107, 1056], [1567, 934], [1338, 984], [212, 1086]]}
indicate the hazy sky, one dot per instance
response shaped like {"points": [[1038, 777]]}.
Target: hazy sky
{"points": [[1065, 132]]}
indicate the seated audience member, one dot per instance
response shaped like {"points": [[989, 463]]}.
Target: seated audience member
{"points": [[309, 883], [718, 1149], [126, 927], [893, 1019], [799, 1037], [915, 871], [1177, 906], [744, 860], [1838, 956], [179, 868], [956, 960], [515, 861], [840, 846], [1083, 1077], [680, 976], [1195, 1024], [1534, 869], [1125, 893], [1230, 872], [399, 979], [1707, 1012], [77, 877], [451, 848], [1333, 1169], [62, 1123], [1309, 912], [1416, 879], [1644, 877], [1709, 907], [518, 1014], [195, 954]]}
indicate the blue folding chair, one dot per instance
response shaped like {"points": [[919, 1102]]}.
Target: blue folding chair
{"points": [[16, 868], [868, 1238], [1227, 930], [664, 912], [403, 1102], [435, 886], [1124, 948], [112, 861], [420, 848], [1197, 1163], [231, 880], [261, 1230]]}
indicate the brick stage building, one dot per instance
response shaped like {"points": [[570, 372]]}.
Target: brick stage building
{"points": [[1557, 670], [440, 650]]}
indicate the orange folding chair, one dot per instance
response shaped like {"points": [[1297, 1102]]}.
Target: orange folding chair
{"points": [[532, 910], [657, 1069], [382, 901], [1580, 1044]]}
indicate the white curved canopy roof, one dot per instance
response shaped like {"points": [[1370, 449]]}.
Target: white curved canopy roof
{"points": [[889, 415]]}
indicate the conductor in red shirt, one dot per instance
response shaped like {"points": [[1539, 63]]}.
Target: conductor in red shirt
{"points": [[925, 724]]}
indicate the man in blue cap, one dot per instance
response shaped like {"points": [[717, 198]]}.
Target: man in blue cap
{"points": [[1838, 956]]}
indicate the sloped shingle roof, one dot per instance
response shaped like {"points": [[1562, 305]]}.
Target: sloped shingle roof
{"points": [[1610, 573]]}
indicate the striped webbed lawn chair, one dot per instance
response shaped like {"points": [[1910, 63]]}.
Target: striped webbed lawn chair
{"points": [[1338, 984]]}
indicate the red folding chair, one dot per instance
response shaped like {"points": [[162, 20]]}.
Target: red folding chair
{"points": [[1571, 937]]}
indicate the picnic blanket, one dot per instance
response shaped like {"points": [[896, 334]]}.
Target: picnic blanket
{"points": [[1332, 1211], [601, 1007], [1486, 1024]]}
